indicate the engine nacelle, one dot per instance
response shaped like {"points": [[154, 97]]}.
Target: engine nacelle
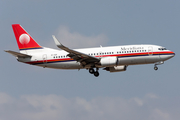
{"points": [[109, 61], [116, 68]]}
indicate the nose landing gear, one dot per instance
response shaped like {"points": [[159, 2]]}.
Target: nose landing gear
{"points": [[155, 67], [158, 63], [92, 71]]}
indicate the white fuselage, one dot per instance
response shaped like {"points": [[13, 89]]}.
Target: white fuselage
{"points": [[126, 55]]}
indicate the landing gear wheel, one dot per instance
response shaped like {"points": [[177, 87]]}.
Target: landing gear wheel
{"points": [[96, 74], [91, 70], [155, 68]]}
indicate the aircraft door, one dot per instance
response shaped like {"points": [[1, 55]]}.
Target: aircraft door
{"points": [[44, 58], [150, 50]]}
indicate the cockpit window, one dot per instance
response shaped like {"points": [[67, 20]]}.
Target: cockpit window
{"points": [[162, 49]]}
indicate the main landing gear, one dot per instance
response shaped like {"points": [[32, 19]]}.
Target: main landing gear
{"points": [[158, 63], [92, 71]]}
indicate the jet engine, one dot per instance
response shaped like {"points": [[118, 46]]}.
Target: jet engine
{"points": [[116, 68], [109, 61]]}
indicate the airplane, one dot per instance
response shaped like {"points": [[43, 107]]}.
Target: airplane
{"points": [[112, 58]]}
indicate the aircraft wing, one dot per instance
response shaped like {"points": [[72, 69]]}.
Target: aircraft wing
{"points": [[17, 54], [84, 59]]}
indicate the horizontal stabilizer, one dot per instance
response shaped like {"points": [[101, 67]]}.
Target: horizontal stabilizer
{"points": [[17, 54]]}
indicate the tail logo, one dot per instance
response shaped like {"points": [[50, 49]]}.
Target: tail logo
{"points": [[24, 39]]}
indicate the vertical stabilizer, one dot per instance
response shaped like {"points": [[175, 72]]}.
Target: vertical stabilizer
{"points": [[24, 40]]}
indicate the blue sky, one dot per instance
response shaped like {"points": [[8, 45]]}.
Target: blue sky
{"points": [[30, 92]]}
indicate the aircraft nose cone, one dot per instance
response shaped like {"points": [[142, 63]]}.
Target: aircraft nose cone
{"points": [[173, 53]]}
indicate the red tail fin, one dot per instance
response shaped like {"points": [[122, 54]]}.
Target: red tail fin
{"points": [[24, 40]]}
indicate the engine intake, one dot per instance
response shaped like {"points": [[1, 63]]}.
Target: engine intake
{"points": [[109, 61]]}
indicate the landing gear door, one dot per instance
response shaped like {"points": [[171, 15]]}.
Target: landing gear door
{"points": [[150, 50]]}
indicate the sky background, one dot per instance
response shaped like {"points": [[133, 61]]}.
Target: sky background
{"points": [[140, 93]]}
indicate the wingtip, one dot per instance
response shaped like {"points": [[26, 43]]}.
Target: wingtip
{"points": [[7, 50], [56, 41], [53, 36]]}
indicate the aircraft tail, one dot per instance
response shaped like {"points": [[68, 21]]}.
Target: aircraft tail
{"points": [[24, 40]]}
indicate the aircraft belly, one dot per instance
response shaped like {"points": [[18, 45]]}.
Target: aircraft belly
{"points": [[138, 60], [125, 61], [131, 60], [152, 58], [63, 65]]}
